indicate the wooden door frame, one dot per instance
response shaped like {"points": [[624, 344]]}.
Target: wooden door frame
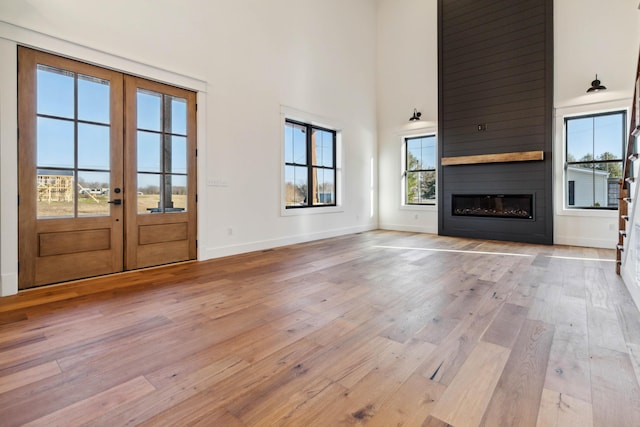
{"points": [[27, 180], [28, 224]]}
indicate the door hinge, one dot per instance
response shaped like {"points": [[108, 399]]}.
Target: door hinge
{"points": [[196, 243], [18, 200], [196, 107], [196, 198], [196, 152]]}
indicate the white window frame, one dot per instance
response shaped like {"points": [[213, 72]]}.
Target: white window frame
{"points": [[290, 113], [560, 153], [402, 137]]}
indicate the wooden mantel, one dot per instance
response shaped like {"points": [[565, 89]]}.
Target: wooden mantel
{"points": [[521, 156]]}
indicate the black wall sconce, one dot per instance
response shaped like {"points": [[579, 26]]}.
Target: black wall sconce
{"points": [[596, 86], [416, 115]]}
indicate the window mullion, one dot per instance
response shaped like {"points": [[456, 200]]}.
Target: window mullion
{"points": [[76, 173]]}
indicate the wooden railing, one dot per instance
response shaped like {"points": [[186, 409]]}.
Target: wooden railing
{"points": [[631, 155]]}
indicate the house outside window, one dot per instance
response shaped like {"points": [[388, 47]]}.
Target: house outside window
{"points": [[420, 170], [594, 152], [310, 165]]}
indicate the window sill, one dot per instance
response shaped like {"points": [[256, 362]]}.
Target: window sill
{"points": [[429, 207], [594, 213], [311, 211]]}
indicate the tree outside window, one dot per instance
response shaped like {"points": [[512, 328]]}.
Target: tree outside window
{"points": [[420, 170]]}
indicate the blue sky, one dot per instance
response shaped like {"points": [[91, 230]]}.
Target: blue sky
{"points": [[423, 149], [595, 135], [55, 136]]}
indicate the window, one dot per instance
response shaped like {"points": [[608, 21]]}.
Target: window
{"points": [[310, 165], [594, 145], [73, 128], [161, 128], [420, 170]]}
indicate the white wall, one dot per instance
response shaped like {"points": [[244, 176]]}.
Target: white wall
{"points": [[8, 170], [246, 59], [407, 79], [595, 37], [591, 36], [581, 227]]}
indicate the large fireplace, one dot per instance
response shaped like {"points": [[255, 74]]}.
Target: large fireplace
{"points": [[519, 206], [495, 120]]}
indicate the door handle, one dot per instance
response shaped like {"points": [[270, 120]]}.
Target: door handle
{"points": [[115, 201]]}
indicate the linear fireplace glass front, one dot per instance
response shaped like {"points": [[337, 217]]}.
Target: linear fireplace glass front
{"points": [[493, 205]]}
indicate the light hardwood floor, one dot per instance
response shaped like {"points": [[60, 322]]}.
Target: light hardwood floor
{"points": [[376, 329]]}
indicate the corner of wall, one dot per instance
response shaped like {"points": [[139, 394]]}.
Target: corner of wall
{"points": [[8, 169], [8, 284]]}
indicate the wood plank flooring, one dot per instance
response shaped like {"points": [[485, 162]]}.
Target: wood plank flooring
{"points": [[377, 329]]}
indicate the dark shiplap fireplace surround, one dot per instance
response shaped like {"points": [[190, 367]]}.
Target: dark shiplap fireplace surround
{"points": [[495, 109]]}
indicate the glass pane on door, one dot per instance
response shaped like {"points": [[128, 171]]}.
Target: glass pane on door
{"points": [[149, 108], [93, 99], [176, 188], [93, 146], [55, 193], [55, 144], [73, 144], [149, 193], [55, 92], [93, 194], [178, 150], [149, 151], [162, 152], [177, 124]]}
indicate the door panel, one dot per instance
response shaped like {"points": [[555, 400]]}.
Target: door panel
{"points": [[150, 234], [71, 242], [83, 192], [70, 160], [160, 164]]}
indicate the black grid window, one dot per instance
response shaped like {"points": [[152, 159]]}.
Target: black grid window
{"points": [[594, 145], [310, 165], [420, 170]]}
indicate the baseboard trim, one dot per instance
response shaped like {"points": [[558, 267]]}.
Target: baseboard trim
{"points": [[584, 242], [410, 228], [219, 252]]}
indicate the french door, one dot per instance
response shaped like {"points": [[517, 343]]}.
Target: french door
{"points": [[106, 171]]}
